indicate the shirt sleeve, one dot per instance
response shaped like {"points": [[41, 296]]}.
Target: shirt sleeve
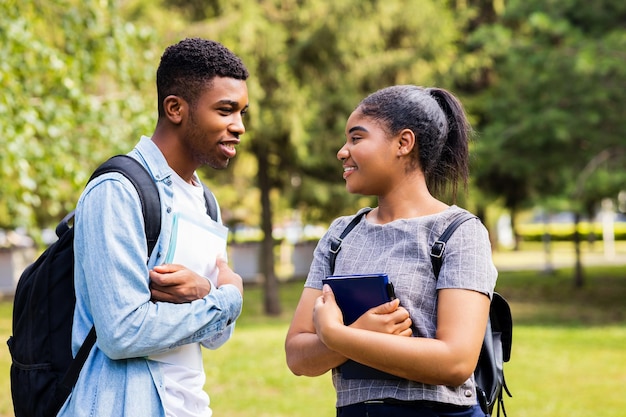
{"points": [[467, 261], [111, 268]]}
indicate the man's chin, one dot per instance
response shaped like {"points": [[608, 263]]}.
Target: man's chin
{"points": [[218, 165]]}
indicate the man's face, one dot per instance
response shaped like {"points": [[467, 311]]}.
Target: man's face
{"points": [[216, 123]]}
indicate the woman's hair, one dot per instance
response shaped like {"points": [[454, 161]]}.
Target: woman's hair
{"points": [[440, 126], [188, 67]]}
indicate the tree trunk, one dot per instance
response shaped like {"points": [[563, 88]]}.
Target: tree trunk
{"points": [[516, 237], [271, 296], [547, 244], [578, 270]]}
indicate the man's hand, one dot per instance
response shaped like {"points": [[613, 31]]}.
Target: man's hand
{"points": [[228, 276], [176, 284]]}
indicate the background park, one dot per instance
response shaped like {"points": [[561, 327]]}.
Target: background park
{"points": [[544, 83]]}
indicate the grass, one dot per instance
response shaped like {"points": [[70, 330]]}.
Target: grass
{"points": [[568, 352]]}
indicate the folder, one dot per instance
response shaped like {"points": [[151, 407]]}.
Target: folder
{"points": [[355, 294]]}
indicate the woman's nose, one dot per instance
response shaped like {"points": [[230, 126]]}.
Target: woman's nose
{"points": [[342, 154]]}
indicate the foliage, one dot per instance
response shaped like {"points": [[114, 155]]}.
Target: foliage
{"points": [[554, 102], [542, 81], [72, 76]]}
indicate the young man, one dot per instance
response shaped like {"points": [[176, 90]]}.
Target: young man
{"points": [[151, 318]]}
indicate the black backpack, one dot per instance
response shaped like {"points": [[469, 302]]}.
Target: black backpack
{"points": [[496, 349], [43, 371]]}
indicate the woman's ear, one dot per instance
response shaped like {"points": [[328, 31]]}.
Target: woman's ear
{"points": [[174, 107], [406, 142]]}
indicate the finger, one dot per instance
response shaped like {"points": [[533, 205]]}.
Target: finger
{"points": [[402, 315], [406, 332], [157, 295], [162, 279], [222, 265], [386, 308], [328, 294], [167, 268]]}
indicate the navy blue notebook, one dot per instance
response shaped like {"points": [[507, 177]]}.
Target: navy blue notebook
{"points": [[355, 294]]}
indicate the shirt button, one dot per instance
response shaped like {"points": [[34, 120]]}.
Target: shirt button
{"points": [[169, 209], [468, 393]]}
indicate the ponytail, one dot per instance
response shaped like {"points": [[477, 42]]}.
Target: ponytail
{"points": [[453, 164]]}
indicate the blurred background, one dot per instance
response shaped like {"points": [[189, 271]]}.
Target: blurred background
{"points": [[543, 82]]}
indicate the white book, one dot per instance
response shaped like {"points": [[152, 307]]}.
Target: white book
{"points": [[196, 243]]}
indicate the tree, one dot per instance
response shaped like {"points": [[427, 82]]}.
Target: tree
{"points": [[72, 73], [555, 98], [311, 63]]}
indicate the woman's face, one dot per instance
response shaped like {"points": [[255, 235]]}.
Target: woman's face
{"points": [[369, 156]]}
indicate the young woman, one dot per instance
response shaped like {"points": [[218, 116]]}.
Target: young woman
{"points": [[404, 144]]}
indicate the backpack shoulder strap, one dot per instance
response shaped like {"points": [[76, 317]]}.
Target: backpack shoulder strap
{"points": [[151, 210], [146, 189], [210, 203], [335, 246], [439, 247]]}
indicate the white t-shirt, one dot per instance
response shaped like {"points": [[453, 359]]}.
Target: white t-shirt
{"points": [[182, 367]]}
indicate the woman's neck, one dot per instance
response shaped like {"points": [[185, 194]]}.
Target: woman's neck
{"points": [[409, 200]]}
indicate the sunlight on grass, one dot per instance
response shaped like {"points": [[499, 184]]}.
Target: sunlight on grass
{"points": [[563, 372], [249, 377]]}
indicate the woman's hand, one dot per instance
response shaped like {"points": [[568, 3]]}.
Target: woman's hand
{"points": [[388, 318], [326, 314]]}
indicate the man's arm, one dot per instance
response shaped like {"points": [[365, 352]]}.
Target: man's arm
{"points": [[113, 280]]}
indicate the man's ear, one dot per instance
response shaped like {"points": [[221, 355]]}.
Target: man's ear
{"points": [[406, 142], [174, 108]]}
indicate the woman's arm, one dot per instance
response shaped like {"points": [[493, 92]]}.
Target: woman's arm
{"points": [[307, 355], [449, 359]]}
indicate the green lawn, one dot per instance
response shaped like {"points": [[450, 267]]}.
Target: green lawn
{"points": [[568, 360]]}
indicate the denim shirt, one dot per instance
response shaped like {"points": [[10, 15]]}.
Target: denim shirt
{"points": [[112, 293]]}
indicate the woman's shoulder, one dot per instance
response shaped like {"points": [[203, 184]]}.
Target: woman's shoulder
{"points": [[455, 211], [470, 225], [340, 223]]}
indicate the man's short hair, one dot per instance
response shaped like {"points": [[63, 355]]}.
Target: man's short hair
{"points": [[188, 67]]}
